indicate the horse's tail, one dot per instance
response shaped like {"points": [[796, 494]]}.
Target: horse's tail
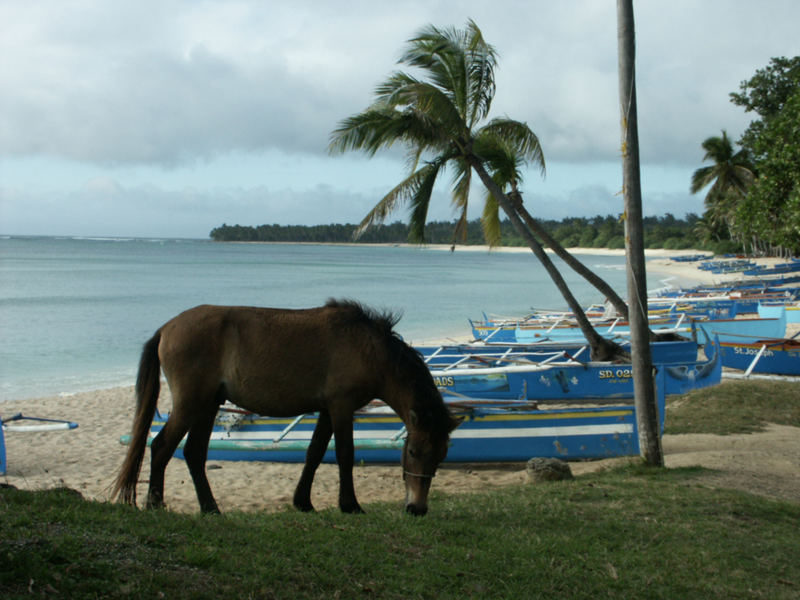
{"points": [[148, 386]]}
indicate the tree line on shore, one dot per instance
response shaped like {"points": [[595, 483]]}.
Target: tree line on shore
{"points": [[607, 231]]}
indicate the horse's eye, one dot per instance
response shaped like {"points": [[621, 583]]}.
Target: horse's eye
{"points": [[412, 453]]}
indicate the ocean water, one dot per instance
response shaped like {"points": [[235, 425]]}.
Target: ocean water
{"points": [[74, 312]]}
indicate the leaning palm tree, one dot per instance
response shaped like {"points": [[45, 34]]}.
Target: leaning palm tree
{"points": [[505, 165], [438, 120], [727, 179]]}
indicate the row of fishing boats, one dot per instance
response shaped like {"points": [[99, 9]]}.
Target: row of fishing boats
{"points": [[752, 345], [744, 266], [527, 386]]}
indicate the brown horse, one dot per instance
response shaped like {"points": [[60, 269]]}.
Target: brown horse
{"points": [[278, 362]]}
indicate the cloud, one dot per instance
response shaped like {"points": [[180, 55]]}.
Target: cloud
{"points": [[104, 206], [169, 83], [194, 82]]}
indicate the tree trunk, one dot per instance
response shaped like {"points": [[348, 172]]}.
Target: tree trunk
{"points": [[601, 348], [574, 263], [644, 389], [598, 282]]}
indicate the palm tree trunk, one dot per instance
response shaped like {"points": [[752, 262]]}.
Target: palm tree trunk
{"points": [[601, 348], [574, 263], [598, 282], [644, 388]]}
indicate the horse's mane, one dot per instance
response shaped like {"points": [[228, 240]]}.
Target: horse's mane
{"points": [[355, 313], [430, 407], [408, 363]]}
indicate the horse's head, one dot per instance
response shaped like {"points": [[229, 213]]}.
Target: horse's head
{"points": [[411, 391], [422, 453]]}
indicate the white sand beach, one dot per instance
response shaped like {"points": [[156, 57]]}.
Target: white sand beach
{"points": [[87, 458], [658, 261]]}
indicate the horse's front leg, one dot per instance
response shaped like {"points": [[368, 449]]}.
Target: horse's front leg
{"points": [[345, 455], [314, 455]]}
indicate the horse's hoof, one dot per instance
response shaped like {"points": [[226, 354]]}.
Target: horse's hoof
{"points": [[416, 510], [305, 507], [353, 510]]}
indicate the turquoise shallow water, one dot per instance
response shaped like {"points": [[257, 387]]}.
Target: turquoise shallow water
{"points": [[74, 312]]}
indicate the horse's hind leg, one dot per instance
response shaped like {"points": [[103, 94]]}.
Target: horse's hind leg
{"points": [[195, 451], [161, 451], [314, 455]]}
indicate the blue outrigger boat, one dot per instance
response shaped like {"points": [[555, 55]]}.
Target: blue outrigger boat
{"points": [[768, 356], [691, 257], [761, 354], [789, 309], [779, 269], [492, 431], [737, 330], [563, 377], [21, 423]]}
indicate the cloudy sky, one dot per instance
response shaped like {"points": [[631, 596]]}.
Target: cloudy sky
{"points": [[167, 118]]}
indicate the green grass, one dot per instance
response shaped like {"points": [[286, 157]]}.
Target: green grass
{"points": [[734, 407], [629, 532]]}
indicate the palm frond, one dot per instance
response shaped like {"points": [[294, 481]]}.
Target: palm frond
{"points": [[386, 93], [460, 198], [462, 179], [430, 101], [500, 158], [401, 194], [490, 221], [382, 127], [701, 178], [369, 131], [441, 53], [421, 200], [482, 60], [413, 158], [718, 148], [519, 138]]}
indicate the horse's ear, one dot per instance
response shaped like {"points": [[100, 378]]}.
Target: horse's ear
{"points": [[413, 418], [455, 422]]}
